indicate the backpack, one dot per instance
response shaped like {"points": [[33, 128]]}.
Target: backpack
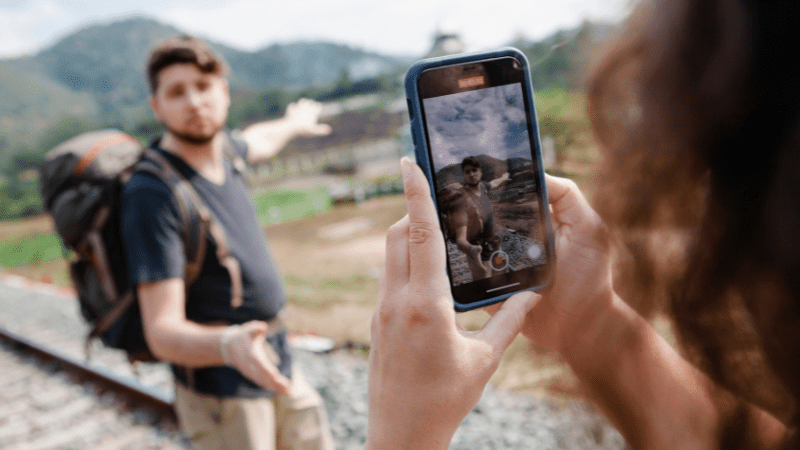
{"points": [[81, 183]]}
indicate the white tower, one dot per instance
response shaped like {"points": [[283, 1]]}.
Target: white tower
{"points": [[446, 41]]}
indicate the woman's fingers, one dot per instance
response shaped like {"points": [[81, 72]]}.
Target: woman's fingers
{"points": [[507, 320], [396, 269], [425, 241], [569, 204]]}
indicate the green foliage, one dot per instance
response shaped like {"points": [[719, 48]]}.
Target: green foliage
{"points": [[563, 116], [63, 129], [19, 196], [344, 78], [94, 78], [22, 159], [19, 193], [281, 206], [30, 250], [98, 73], [29, 98], [346, 88], [272, 206], [146, 130], [248, 107], [562, 59]]}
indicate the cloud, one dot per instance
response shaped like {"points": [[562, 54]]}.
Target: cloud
{"points": [[24, 26], [483, 122], [405, 28], [400, 28], [252, 24]]}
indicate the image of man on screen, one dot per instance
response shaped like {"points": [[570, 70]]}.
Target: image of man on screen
{"points": [[469, 218]]}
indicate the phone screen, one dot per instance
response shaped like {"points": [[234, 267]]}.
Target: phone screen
{"points": [[483, 153]]}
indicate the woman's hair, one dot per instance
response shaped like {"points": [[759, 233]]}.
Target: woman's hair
{"points": [[697, 105]]}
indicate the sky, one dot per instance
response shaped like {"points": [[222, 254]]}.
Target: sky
{"points": [[400, 28], [481, 122]]}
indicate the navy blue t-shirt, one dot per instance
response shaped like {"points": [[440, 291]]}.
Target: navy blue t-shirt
{"points": [[152, 230]]}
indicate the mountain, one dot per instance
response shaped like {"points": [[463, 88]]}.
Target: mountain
{"points": [[491, 168], [562, 59], [98, 72], [95, 77]]}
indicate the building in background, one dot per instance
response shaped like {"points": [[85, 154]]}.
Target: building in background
{"points": [[446, 41]]}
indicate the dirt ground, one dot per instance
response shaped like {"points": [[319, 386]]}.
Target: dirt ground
{"points": [[332, 263], [32, 225]]}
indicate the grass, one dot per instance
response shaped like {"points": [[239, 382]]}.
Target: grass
{"points": [[30, 250], [331, 278], [332, 287], [283, 206], [25, 248]]}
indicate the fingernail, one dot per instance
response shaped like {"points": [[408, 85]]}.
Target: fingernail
{"points": [[405, 167], [533, 299]]}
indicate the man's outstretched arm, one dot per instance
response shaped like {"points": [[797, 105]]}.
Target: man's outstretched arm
{"points": [[265, 139]]}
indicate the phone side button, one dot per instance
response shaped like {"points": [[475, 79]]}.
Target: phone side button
{"points": [[410, 110]]}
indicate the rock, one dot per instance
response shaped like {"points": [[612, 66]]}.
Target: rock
{"points": [[500, 420]]}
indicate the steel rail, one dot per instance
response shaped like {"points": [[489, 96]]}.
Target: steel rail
{"points": [[103, 377]]}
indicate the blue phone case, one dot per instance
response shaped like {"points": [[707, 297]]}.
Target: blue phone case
{"points": [[421, 146]]}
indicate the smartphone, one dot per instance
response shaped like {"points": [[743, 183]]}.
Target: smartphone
{"points": [[476, 137]]}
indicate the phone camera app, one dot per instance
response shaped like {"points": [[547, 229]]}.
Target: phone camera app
{"points": [[535, 252], [486, 176], [499, 260]]}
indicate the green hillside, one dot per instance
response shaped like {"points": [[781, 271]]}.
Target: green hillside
{"points": [[100, 71], [30, 100], [94, 78]]}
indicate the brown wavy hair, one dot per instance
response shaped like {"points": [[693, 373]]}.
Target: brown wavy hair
{"points": [[697, 104], [183, 49]]}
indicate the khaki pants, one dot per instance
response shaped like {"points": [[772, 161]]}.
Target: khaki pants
{"points": [[298, 422]]}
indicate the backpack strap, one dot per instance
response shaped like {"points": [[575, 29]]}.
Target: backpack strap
{"points": [[98, 147], [195, 215], [93, 248], [233, 147]]}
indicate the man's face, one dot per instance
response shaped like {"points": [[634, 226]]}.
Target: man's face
{"points": [[191, 104], [472, 175]]}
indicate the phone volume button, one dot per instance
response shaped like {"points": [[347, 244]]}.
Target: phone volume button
{"points": [[410, 110]]}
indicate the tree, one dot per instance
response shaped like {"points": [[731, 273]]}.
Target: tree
{"points": [[63, 129]]}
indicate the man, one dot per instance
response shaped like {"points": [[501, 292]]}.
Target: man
{"points": [[469, 217], [235, 387]]}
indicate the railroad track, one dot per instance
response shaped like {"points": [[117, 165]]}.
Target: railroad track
{"points": [[50, 403], [101, 402], [107, 380], [53, 397]]}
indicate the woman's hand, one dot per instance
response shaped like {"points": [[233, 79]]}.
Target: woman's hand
{"points": [[426, 373], [581, 291]]}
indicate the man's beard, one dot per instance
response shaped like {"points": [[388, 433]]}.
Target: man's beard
{"points": [[193, 139]]}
